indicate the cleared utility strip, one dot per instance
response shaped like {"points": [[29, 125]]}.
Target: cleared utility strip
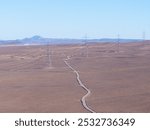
{"points": [[83, 100]]}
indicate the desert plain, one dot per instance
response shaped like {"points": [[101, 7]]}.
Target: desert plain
{"points": [[36, 78]]}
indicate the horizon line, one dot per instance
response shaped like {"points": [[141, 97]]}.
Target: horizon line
{"points": [[88, 38]]}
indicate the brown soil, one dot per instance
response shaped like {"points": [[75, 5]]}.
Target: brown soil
{"points": [[118, 77]]}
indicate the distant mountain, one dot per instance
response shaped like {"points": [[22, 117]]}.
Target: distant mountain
{"points": [[36, 40]]}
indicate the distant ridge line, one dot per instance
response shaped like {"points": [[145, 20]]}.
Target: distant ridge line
{"points": [[40, 40]]}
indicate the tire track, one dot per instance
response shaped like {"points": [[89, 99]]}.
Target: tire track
{"points": [[83, 100]]}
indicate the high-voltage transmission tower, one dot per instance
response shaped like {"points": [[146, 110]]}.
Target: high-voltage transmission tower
{"points": [[87, 48], [49, 56], [118, 43], [143, 36]]}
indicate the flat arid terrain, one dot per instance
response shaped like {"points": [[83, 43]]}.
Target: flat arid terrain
{"points": [[105, 77]]}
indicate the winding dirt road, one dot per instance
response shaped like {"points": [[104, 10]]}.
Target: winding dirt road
{"points": [[83, 100]]}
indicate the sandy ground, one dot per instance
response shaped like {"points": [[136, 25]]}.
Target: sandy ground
{"points": [[117, 76]]}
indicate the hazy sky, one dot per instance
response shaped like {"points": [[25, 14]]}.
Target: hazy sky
{"points": [[74, 18]]}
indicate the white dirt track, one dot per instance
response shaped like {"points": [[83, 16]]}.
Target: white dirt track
{"points": [[83, 100]]}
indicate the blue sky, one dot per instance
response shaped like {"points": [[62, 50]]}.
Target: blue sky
{"points": [[74, 18]]}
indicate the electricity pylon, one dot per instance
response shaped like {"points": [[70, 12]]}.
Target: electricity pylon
{"points": [[49, 56]]}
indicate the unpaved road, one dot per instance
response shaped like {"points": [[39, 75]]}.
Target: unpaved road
{"points": [[83, 100]]}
